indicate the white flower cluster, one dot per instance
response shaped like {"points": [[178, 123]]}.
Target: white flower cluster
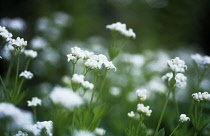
{"points": [[5, 33], [26, 74], [100, 131], [131, 114], [79, 79], [20, 133], [201, 60], [181, 79], [91, 61], [183, 118], [47, 125], [18, 43], [144, 109], [83, 133], [205, 96], [141, 93], [122, 29], [19, 119], [66, 97], [34, 102], [30, 53], [177, 65]]}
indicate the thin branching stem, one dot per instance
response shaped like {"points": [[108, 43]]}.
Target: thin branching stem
{"points": [[175, 129]]}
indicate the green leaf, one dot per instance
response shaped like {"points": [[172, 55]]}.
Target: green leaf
{"points": [[161, 132]]}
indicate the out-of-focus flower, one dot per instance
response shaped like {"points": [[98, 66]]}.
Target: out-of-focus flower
{"points": [[205, 96], [144, 109], [47, 125], [141, 93], [5, 33], [19, 119], [100, 131], [38, 43], [34, 102], [26, 74], [122, 29], [183, 118], [83, 133], [201, 60], [76, 78], [131, 114], [30, 53], [87, 85], [20, 133], [66, 97], [177, 65], [16, 24]]}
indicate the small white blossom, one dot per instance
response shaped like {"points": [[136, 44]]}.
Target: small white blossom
{"points": [[66, 97], [47, 125], [83, 133], [77, 52], [30, 53], [100, 131], [141, 93], [177, 65], [87, 85], [34, 102], [70, 57], [88, 54], [183, 118], [78, 78], [201, 96], [181, 79], [26, 74], [144, 109], [18, 43], [5, 33], [20, 133], [131, 114], [122, 29]]}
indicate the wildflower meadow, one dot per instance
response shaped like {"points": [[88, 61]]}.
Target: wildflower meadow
{"points": [[99, 86]]}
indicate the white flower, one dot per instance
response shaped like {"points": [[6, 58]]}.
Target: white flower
{"points": [[19, 43], [145, 110], [70, 57], [181, 79], [19, 119], [66, 97], [122, 29], [141, 93], [34, 102], [20, 133], [78, 78], [87, 85], [201, 60], [30, 53], [26, 74], [47, 125], [201, 96], [183, 118], [5, 33], [100, 131], [83, 133], [88, 54], [16, 24], [77, 52], [115, 91], [131, 114], [177, 65]]}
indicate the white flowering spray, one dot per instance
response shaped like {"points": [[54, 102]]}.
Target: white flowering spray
{"points": [[100, 131], [30, 53], [20, 133], [182, 118], [26, 74], [34, 102]]}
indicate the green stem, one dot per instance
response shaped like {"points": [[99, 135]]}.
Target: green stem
{"points": [[27, 63], [9, 70], [196, 117], [17, 70], [34, 111], [93, 92], [73, 119], [175, 103], [6, 94], [20, 86], [175, 129], [162, 113], [139, 125]]}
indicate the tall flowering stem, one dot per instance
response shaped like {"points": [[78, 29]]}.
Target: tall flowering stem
{"points": [[175, 129], [17, 70], [171, 88]]}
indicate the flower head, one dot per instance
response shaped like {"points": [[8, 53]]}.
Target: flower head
{"points": [[5, 33], [181, 79], [100, 131], [177, 65], [183, 118], [201, 60], [131, 114], [34, 102], [83, 133], [47, 125], [30, 53], [205, 96], [26, 74], [141, 93], [20, 133], [144, 109], [18, 43]]}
